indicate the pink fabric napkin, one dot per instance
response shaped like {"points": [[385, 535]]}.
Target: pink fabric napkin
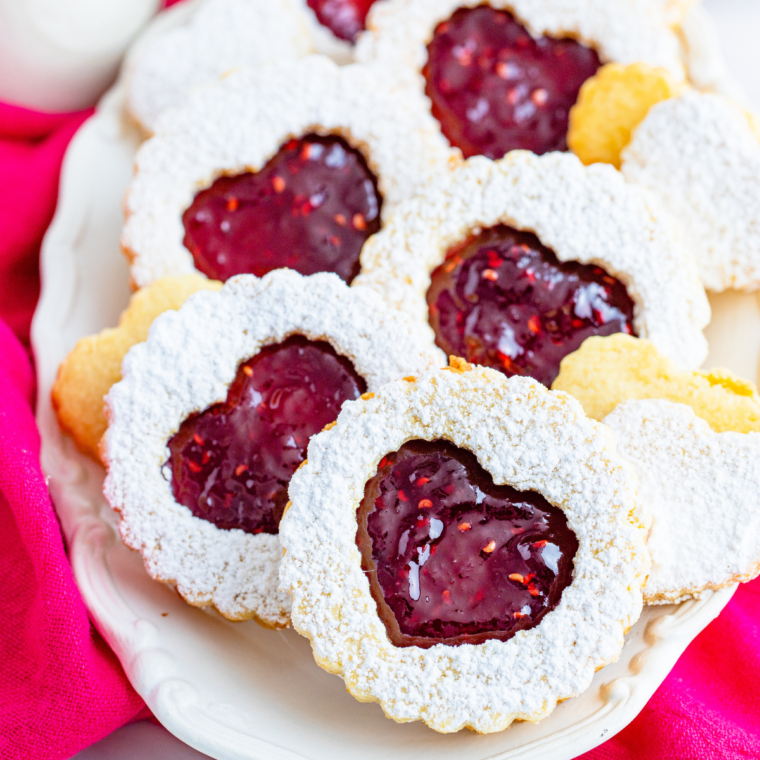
{"points": [[62, 689]]}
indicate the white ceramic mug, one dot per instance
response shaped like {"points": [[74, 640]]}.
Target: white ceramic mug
{"points": [[60, 55]]}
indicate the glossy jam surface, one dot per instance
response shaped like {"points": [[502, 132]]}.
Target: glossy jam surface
{"points": [[453, 558], [503, 300], [311, 208], [232, 463], [344, 18], [494, 88]]}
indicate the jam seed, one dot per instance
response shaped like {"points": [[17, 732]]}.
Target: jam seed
{"points": [[194, 467], [240, 469], [489, 547], [248, 371], [198, 439], [540, 544], [402, 496], [534, 325], [278, 183], [424, 504], [516, 577], [446, 596], [421, 482], [532, 590], [489, 274], [359, 222], [518, 615], [463, 527], [539, 97], [340, 220], [232, 204]]}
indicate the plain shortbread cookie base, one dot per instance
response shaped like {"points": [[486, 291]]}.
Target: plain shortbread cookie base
{"points": [[700, 159], [702, 489]]}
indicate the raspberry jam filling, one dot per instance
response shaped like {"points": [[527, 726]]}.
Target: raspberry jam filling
{"points": [[311, 208], [503, 300], [495, 88], [232, 463], [454, 559], [344, 18]]}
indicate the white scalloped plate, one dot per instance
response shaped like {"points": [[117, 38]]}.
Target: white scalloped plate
{"points": [[238, 691]]}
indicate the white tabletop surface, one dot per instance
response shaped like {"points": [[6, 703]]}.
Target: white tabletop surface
{"points": [[738, 23]]}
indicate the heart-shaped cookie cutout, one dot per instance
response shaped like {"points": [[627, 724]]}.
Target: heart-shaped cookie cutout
{"points": [[231, 464], [702, 488], [453, 558]]}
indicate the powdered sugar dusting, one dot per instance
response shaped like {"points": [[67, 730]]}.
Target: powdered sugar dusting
{"points": [[523, 435], [221, 35], [238, 124], [702, 488], [586, 214], [699, 157], [187, 364], [624, 31]]}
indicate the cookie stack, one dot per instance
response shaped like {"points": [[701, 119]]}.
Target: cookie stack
{"points": [[419, 380]]}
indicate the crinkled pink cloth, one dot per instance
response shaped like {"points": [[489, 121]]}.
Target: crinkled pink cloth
{"points": [[61, 688]]}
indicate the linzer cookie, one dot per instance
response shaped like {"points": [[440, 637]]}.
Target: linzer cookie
{"points": [[700, 158], [214, 414], [221, 35], [294, 165], [689, 476], [514, 263], [503, 75], [464, 549]]}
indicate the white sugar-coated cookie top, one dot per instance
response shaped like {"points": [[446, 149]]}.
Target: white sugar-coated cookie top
{"points": [[700, 158], [522, 435], [585, 214], [702, 489], [241, 122], [623, 31], [188, 363], [221, 35]]}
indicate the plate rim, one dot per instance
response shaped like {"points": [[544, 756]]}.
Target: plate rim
{"points": [[136, 641]]}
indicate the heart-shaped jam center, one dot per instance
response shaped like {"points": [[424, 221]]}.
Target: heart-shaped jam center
{"points": [[495, 88], [344, 18], [451, 557], [311, 208], [504, 300], [232, 463]]}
